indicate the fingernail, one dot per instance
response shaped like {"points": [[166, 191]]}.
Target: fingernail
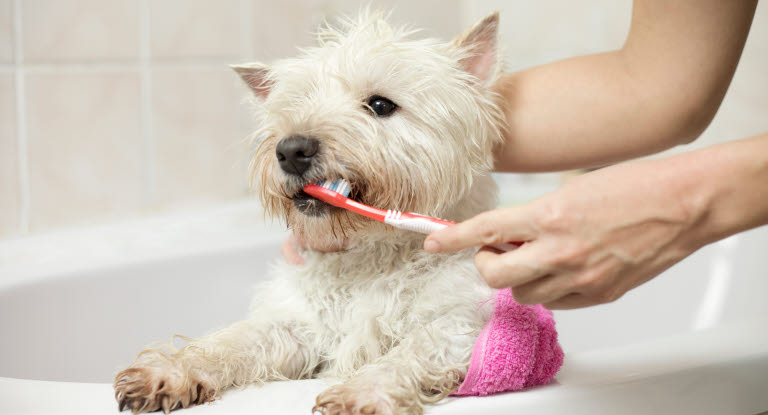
{"points": [[432, 245]]}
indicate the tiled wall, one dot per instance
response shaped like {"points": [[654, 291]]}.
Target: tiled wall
{"points": [[113, 108]]}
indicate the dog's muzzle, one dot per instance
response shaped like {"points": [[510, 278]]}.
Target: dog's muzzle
{"points": [[310, 206]]}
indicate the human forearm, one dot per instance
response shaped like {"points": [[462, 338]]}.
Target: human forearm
{"points": [[576, 113], [661, 89], [728, 185]]}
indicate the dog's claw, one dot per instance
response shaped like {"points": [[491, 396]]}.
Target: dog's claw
{"points": [[166, 404], [146, 389]]}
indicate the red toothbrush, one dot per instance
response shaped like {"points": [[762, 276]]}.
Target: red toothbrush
{"points": [[335, 193]]}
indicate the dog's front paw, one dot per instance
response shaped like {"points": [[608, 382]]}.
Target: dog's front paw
{"points": [[351, 399], [147, 389]]}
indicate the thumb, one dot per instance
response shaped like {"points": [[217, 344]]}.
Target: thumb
{"points": [[494, 227]]}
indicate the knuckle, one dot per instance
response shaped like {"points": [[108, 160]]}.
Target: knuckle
{"points": [[590, 281], [489, 228], [489, 233], [554, 216]]}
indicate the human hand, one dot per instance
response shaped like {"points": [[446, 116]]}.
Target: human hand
{"points": [[294, 244], [591, 241]]}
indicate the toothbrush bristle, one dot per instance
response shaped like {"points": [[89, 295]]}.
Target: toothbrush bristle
{"points": [[338, 185]]}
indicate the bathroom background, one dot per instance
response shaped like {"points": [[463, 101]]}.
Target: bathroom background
{"points": [[111, 110]]}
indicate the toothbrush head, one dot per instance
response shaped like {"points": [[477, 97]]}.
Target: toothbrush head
{"points": [[339, 186]]}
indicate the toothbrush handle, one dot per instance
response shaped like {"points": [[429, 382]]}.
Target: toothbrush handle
{"points": [[410, 221], [426, 224]]}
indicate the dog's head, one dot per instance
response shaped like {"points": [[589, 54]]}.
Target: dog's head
{"points": [[410, 124]]}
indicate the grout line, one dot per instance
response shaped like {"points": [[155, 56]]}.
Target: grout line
{"points": [[21, 121], [145, 76]]}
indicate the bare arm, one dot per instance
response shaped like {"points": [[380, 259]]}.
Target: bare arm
{"points": [[608, 231], [730, 186], [660, 90]]}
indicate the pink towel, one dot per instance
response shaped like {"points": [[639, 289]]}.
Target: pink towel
{"points": [[517, 348]]}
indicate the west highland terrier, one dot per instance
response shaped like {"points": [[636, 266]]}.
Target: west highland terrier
{"points": [[411, 125]]}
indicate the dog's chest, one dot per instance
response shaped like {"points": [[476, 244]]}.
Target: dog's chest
{"points": [[366, 307], [360, 312], [359, 307]]}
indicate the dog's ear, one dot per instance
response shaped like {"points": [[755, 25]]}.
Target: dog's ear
{"points": [[478, 47], [256, 76]]}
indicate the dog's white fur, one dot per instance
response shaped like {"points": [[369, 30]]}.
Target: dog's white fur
{"points": [[396, 324]]}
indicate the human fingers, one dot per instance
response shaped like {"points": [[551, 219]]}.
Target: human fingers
{"points": [[571, 301], [570, 273], [290, 252], [510, 269], [493, 227], [546, 289]]}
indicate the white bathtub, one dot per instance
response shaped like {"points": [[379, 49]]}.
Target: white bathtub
{"points": [[695, 340]]}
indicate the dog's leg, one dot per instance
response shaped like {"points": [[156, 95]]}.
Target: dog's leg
{"points": [[245, 352], [426, 366]]}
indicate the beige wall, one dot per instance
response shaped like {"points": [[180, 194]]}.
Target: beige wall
{"points": [[114, 108]]}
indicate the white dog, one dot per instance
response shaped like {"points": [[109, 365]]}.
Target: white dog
{"points": [[410, 124]]}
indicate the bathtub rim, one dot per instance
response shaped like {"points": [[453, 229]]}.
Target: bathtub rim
{"points": [[656, 373]]}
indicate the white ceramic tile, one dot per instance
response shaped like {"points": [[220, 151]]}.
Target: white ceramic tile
{"points": [[198, 136], [80, 30], [6, 31], [435, 18], [440, 18], [9, 190], [85, 149], [195, 28], [534, 33], [279, 27]]}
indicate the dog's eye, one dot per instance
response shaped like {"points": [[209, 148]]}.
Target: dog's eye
{"points": [[381, 106]]}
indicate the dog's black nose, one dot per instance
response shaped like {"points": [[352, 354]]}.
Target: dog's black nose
{"points": [[295, 154]]}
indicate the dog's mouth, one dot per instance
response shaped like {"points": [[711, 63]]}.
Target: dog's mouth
{"points": [[310, 206]]}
